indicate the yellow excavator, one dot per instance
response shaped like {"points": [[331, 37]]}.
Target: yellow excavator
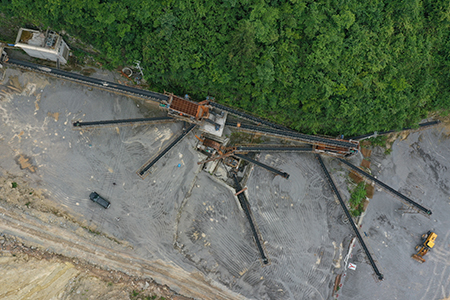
{"points": [[427, 244]]}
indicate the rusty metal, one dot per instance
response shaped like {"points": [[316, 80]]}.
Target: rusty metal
{"points": [[215, 158], [331, 150], [241, 191], [231, 162], [212, 144], [186, 108], [336, 147]]}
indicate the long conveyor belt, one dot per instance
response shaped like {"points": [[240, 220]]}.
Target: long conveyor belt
{"points": [[269, 168], [246, 207], [108, 85], [275, 130], [247, 116], [347, 213], [421, 126], [388, 188], [144, 169], [310, 139], [272, 149], [87, 124]]}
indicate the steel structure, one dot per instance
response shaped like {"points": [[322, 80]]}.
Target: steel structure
{"points": [[388, 188], [246, 116], [142, 172], [322, 144], [248, 213], [269, 168], [347, 213], [138, 121], [264, 148], [98, 83], [375, 134]]}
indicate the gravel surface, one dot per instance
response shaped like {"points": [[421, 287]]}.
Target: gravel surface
{"points": [[183, 217], [418, 167]]}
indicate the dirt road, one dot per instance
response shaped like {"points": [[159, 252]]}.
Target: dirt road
{"points": [[37, 229]]}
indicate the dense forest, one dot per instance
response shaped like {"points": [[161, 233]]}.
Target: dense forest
{"points": [[324, 66]]}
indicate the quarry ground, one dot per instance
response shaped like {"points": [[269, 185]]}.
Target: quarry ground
{"points": [[418, 167], [182, 228]]}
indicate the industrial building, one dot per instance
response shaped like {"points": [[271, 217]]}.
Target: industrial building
{"points": [[48, 45]]}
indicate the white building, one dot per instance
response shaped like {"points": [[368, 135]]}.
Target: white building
{"points": [[2, 55], [48, 45]]}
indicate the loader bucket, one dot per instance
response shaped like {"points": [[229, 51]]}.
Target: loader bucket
{"points": [[418, 258]]}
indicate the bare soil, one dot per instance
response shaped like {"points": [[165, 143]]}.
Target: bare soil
{"points": [[35, 272]]}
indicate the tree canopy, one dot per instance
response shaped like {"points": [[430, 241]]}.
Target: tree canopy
{"points": [[324, 66]]}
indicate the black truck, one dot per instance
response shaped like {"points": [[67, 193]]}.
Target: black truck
{"points": [[98, 199]]}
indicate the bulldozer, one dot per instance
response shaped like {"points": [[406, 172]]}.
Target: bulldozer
{"points": [[426, 245]]}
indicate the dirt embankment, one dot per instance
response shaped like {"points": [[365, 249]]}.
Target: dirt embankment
{"points": [[30, 271]]}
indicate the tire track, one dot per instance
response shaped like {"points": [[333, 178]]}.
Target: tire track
{"points": [[288, 222], [111, 257]]}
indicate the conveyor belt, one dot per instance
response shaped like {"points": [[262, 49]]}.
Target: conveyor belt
{"points": [[85, 124], [369, 135], [246, 207], [144, 169], [275, 130], [89, 80], [279, 130], [272, 149], [269, 168], [388, 188], [310, 139], [347, 213], [108, 85], [247, 116]]}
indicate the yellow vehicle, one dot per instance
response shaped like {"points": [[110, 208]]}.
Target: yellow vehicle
{"points": [[427, 244]]}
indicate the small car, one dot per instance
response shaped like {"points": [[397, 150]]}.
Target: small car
{"points": [[98, 199]]}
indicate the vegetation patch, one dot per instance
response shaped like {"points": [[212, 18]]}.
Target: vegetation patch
{"points": [[96, 232], [315, 66], [9, 27], [357, 197], [135, 295], [382, 141], [237, 138]]}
